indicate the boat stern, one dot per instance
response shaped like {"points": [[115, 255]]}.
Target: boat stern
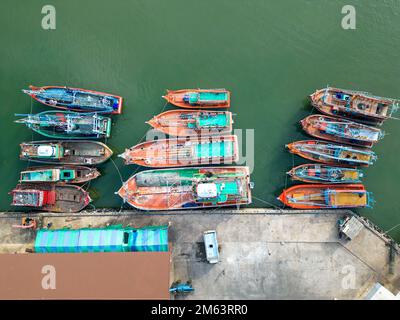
{"points": [[119, 105]]}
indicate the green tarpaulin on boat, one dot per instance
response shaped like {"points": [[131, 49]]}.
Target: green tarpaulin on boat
{"points": [[215, 149], [220, 120], [111, 239]]}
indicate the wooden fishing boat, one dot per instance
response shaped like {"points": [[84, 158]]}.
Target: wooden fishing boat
{"points": [[199, 98], [68, 125], [188, 188], [359, 105], [181, 152], [319, 173], [341, 130], [322, 196], [79, 152], [183, 123], [76, 99], [50, 197], [331, 153], [59, 174]]}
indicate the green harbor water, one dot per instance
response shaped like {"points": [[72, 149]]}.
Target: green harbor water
{"points": [[270, 54]]}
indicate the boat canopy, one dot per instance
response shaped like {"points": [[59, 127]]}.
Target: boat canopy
{"points": [[207, 190], [211, 121], [205, 97], [47, 151], [41, 175], [218, 149]]}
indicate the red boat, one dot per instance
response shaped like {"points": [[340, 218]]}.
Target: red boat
{"points": [[50, 197]]}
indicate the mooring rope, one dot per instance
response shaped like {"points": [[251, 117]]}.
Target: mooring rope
{"points": [[386, 232], [116, 168], [266, 202]]}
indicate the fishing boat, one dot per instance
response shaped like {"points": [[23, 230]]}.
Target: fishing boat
{"points": [[319, 173], [59, 174], [181, 152], [188, 188], [331, 153], [183, 123], [322, 196], [50, 197], [359, 105], [76, 99], [199, 98], [341, 130], [79, 152], [68, 125]]}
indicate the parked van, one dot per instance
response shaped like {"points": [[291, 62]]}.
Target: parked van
{"points": [[211, 246]]}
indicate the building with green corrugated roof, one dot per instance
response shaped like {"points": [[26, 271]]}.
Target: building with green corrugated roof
{"points": [[110, 239]]}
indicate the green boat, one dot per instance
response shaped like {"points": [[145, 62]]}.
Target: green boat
{"points": [[67, 124], [59, 174], [82, 152]]}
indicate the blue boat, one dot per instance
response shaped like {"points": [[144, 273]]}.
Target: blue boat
{"points": [[76, 99]]}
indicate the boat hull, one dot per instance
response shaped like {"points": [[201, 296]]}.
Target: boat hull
{"points": [[182, 152], [74, 105], [173, 189], [317, 196], [317, 173], [341, 130], [64, 198], [214, 98], [185, 123], [82, 152], [330, 153]]}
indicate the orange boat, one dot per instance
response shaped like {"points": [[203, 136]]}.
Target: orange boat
{"points": [[188, 188], [183, 123], [181, 152], [199, 98], [323, 196]]}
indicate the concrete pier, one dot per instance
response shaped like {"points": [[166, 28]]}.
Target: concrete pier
{"points": [[264, 253]]}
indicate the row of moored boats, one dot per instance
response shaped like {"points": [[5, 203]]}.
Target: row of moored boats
{"points": [[187, 170], [346, 132], [199, 139]]}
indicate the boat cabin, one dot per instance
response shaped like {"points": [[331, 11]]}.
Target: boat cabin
{"points": [[342, 96], [218, 192], [51, 151]]}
